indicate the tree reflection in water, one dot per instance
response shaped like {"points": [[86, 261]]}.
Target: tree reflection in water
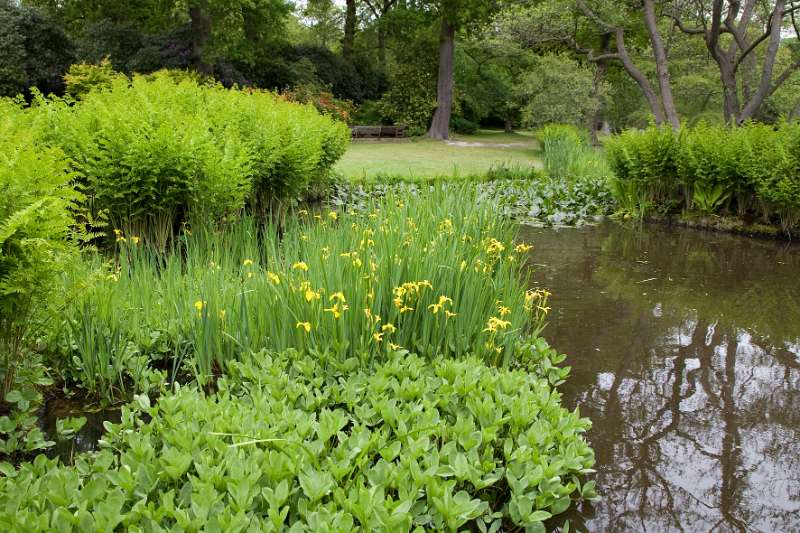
{"points": [[685, 348]]}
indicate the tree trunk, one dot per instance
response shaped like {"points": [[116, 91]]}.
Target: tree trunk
{"points": [[764, 85], [201, 33], [349, 30], [440, 126], [382, 47], [662, 65], [599, 76], [509, 125], [730, 92], [639, 77]]}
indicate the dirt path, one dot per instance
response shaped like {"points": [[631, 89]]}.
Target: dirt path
{"points": [[478, 144]]}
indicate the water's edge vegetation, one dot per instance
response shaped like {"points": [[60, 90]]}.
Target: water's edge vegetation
{"points": [[372, 366], [375, 362]]}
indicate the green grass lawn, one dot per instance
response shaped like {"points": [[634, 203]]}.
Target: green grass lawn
{"points": [[424, 158]]}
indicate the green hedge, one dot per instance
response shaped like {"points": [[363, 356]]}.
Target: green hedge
{"points": [[288, 443], [753, 169], [153, 152]]}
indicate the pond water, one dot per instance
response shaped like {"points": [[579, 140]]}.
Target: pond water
{"points": [[685, 353]]}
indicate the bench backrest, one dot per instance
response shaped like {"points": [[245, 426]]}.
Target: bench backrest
{"points": [[377, 131]]}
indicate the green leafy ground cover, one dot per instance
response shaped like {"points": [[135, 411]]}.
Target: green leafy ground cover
{"points": [[288, 443], [529, 201]]}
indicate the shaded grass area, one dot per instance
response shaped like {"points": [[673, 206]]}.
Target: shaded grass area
{"points": [[426, 158]]}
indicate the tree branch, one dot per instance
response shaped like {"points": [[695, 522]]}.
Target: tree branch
{"points": [[785, 75], [690, 31], [592, 15]]}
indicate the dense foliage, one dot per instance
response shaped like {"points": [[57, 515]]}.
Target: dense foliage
{"points": [[558, 89], [373, 369], [410, 100], [156, 151], [290, 441], [38, 243], [753, 170], [36, 51], [36, 198]]}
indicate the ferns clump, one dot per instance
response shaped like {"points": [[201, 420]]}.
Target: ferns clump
{"points": [[36, 202]]}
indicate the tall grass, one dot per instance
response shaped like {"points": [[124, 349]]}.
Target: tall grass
{"points": [[566, 154], [435, 275]]}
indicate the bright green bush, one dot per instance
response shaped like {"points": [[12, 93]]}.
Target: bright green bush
{"points": [[288, 441], [771, 166], [153, 152], [82, 78], [36, 200], [648, 159], [438, 276], [712, 170]]}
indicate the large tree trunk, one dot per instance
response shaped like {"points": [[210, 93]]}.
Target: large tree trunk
{"points": [[349, 30], [730, 91], [201, 33], [662, 65], [440, 126], [639, 78]]}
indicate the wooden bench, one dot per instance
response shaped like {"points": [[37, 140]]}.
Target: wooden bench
{"points": [[377, 132]]}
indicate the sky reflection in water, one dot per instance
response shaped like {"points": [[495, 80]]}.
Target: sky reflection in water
{"points": [[685, 348]]}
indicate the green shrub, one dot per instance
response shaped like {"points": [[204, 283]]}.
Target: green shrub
{"points": [[368, 113], [36, 200], [153, 153], [287, 441], [555, 88], [410, 100], [649, 159], [770, 164], [322, 100], [83, 78], [713, 170], [36, 50]]}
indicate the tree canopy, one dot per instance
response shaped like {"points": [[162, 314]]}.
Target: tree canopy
{"points": [[422, 62]]}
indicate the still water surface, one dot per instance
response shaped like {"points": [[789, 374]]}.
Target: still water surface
{"points": [[685, 353]]}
